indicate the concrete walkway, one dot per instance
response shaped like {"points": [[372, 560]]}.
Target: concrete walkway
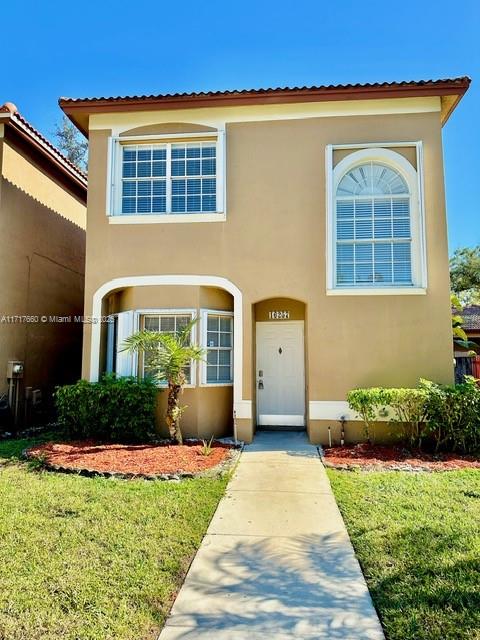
{"points": [[276, 563]]}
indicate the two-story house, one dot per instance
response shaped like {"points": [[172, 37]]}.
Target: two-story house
{"points": [[304, 227]]}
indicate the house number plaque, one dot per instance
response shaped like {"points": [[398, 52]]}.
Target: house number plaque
{"points": [[279, 315]]}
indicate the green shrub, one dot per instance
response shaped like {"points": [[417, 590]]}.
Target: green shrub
{"points": [[453, 414], [114, 409], [447, 415], [410, 411], [367, 403]]}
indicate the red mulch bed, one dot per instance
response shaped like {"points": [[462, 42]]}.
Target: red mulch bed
{"points": [[138, 459], [383, 457]]}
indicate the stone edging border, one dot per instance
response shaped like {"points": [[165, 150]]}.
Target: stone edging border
{"points": [[219, 471], [379, 467]]}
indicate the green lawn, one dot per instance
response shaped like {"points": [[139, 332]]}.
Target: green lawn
{"points": [[417, 537], [93, 558]]}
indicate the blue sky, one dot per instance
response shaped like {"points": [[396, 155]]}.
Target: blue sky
{"points": [[57, 49]]}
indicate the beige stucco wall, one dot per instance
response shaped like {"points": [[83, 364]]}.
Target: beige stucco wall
{"points": [[208, 412], [273, 245], [42, 254], [295, 309], [20, 171], [354, 432], [170, 297]]}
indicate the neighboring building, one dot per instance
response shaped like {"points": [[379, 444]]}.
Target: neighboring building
{"points": [[305, 228], [471, 322], [42, 260], [468, 364]]}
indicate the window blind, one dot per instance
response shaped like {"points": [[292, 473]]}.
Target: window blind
{"points": [[165, 323], [219, 349], [373, 228], [169, 178]]}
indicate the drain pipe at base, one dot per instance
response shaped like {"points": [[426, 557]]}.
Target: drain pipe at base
{"points": [[342, 433], [235, 426]]}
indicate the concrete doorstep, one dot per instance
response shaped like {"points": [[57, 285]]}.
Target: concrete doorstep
{"points": [[277, 562]]}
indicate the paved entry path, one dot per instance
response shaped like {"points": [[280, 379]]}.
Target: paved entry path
{"points": [[276, 563]]}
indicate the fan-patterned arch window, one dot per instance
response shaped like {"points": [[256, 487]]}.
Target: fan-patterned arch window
{"points": [[373, 235]]}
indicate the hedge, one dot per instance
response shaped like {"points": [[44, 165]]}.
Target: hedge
{"points": [[114, 410], [446, 417]]}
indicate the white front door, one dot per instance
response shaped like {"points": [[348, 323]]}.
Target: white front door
{"points": [[280, 374]]}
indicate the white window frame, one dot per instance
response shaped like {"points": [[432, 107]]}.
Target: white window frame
{"points": [[114, 179], [111, 343], [204, 313], [383, 153], [140, 313]]}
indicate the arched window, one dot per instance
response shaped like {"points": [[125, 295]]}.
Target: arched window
{"points": [[373, 227]]}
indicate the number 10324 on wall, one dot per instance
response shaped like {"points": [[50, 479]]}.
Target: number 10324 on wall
{"points": [[279, 315]]}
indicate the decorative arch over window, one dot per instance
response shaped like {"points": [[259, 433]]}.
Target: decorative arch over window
{"points": [[372, 179], [376, 228]]}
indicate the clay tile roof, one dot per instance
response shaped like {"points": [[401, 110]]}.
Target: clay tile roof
{"points": [[450, 90], [29, 131], [471, 317], [450, 83]]}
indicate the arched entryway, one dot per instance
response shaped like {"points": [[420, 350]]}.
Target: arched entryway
{"points": [[279, 361], [241, 406]]}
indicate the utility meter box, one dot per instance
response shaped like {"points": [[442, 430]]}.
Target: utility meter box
{"points": [[14, 369]]}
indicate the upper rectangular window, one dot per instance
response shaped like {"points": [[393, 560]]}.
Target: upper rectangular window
{"points": [[171, 178], [144, 179], [189, 169], [194, 181]]}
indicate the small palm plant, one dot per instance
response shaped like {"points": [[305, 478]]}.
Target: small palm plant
{"points": [[168, 354]]}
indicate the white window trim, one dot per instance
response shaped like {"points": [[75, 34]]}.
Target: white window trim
{"points": [[114, 180], [380, 152], [111, 345], [165, 218], [139, 313], [204, 313], [378, 291]]}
